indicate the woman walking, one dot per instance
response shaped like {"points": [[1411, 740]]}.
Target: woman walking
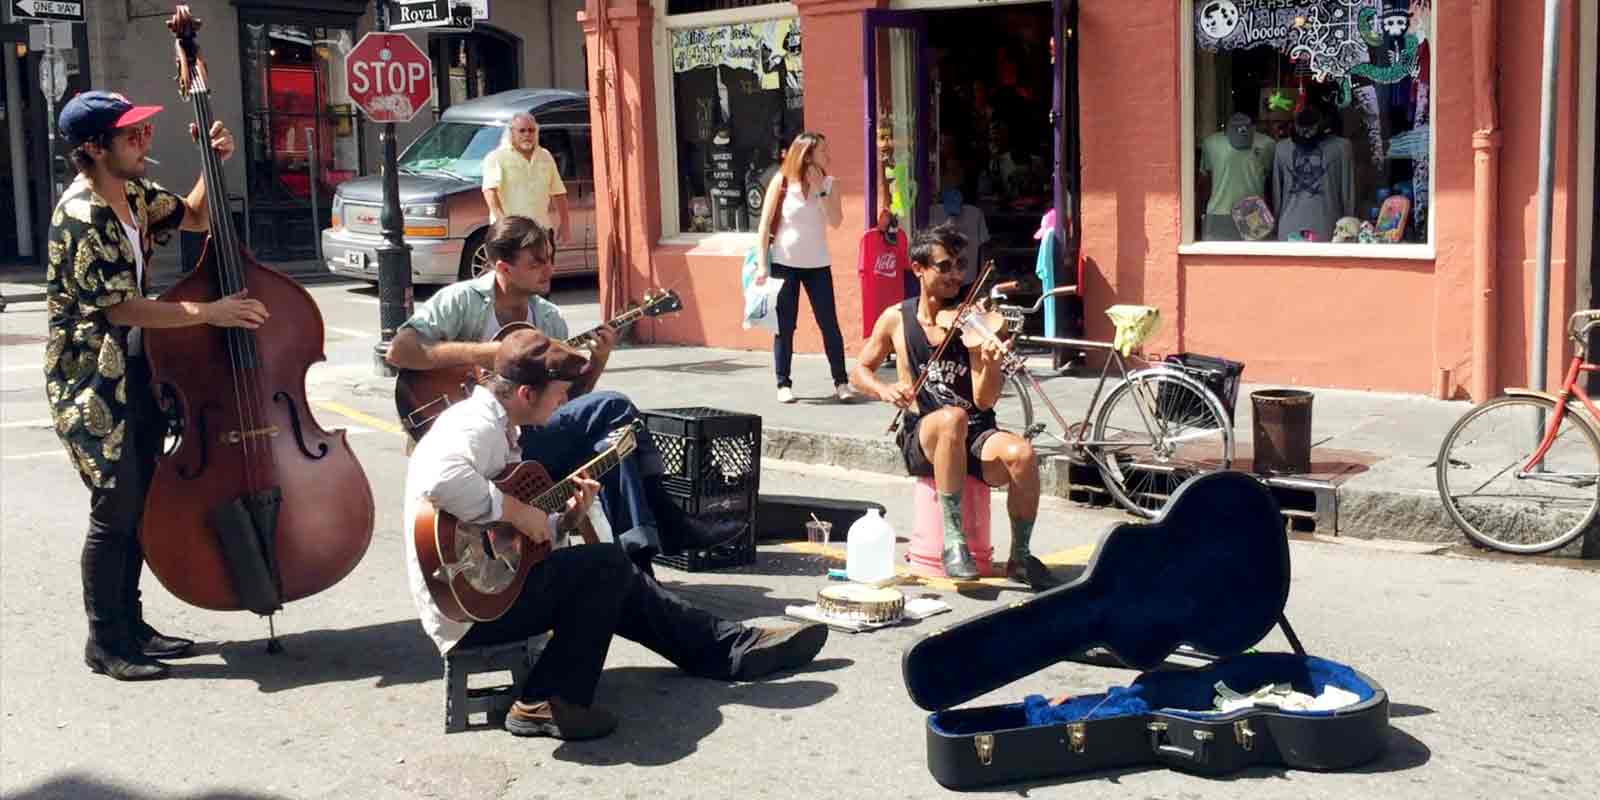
{"points": [[800, 201]]}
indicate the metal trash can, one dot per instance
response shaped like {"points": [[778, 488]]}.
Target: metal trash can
{"points": [[1281, 431]]}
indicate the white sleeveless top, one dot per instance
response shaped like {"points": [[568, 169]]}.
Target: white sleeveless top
{"points": [[802, 240]]}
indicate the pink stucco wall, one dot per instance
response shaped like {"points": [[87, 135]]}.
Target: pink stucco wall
{"points": [[1396, 325]]}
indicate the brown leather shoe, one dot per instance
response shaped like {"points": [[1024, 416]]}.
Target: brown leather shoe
{"points": [[777, 649], [559, 719]]}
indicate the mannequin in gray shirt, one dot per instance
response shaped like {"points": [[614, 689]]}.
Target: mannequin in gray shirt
{"points": [[1312, 180]]}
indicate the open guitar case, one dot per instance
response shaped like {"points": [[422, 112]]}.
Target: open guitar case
{"points": [[1209, 576]]}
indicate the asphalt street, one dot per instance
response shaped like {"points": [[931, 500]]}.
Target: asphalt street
{"points": [[1489, 662]]}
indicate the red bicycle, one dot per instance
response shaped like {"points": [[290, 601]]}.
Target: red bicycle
{"points": [[1521, 473]]}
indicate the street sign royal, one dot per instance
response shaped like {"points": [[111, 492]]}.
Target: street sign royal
{"points": [[389, 77], [409, 14], [64, 10]]}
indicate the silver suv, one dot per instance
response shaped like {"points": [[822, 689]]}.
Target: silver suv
{"points": [[441, 190]]}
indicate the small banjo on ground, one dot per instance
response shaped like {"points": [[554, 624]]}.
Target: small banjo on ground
{"points": [[859, 603]]}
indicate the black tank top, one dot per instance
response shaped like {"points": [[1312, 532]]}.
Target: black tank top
{"points": [[950, 381]]}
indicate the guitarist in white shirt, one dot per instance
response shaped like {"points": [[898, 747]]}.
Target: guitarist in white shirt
{"points": [[586, 593], [457, 326]]}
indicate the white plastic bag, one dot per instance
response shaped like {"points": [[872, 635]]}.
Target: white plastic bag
{"points": [[760, 301]]}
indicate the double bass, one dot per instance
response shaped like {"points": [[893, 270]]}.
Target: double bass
{"points": [[256, 505]]}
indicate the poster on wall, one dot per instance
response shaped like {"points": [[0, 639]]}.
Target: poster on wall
{"points": [[1340, 41], [738, 92]]}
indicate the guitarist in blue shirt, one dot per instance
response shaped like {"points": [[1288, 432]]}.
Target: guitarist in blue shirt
{"points": [[457, 327]]}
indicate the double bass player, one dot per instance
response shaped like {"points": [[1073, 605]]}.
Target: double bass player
{"points": [[102, 234]]}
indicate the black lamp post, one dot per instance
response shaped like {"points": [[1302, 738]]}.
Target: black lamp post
{"points": [[394, 255]]}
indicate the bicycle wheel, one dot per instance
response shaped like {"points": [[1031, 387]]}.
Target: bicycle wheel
{"points": [[1494, 502], [1014, 410], [1154, 431]]}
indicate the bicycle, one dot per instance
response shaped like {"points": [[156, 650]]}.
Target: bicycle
{"points": [[1529, 479], [1157, 428]]}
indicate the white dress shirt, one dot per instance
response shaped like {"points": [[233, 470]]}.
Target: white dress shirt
{"points": [[452, 466]]}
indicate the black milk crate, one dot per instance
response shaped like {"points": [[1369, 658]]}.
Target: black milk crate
{"points": [[711, 457], [712, 468], [736, 552], [1219, 375]]}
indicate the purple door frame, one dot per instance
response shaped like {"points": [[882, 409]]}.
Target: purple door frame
{"points": [[908, 20]]}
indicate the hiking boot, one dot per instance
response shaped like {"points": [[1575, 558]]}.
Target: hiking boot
{"points": [[155, 644], [958, 562], [1032, 572], [777, 649], [559, 719]]}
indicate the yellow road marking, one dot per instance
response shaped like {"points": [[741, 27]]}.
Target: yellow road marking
{"points": [[42, 422], [1073, 556], [41, 454], [359, 416]]}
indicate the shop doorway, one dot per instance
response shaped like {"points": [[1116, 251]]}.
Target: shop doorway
{"points": [[28, 108], [302, 133], [972, 118], [469, 65]]}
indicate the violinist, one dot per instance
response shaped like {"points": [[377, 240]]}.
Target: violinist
{"points": [[97, 379], [950, 429]]}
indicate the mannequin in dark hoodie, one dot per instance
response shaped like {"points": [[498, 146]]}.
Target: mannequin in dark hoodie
{"points": [[1313, 183]]}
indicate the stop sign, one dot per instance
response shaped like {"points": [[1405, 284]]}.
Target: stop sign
{"points": [[389, 77]]}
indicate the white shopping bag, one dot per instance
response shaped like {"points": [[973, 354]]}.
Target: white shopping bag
{"points": [[760, 301]]}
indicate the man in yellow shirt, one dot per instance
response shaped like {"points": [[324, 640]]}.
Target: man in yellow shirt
{"points": [[521, 178]]}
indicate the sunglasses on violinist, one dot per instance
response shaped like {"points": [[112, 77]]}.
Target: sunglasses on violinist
{"points": [[948, 266]]}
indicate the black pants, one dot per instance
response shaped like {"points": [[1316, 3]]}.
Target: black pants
{"points": [[589, 592], [112, 559], [819, 288]]}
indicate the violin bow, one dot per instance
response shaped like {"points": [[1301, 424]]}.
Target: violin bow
{"points": [[972, 296]]}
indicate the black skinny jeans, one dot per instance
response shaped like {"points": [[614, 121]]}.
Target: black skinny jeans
{"points": [[819, 288], [589, 592], [112, 560]]}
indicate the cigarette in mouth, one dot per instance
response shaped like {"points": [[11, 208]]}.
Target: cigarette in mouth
{"points": [[149, 160]]}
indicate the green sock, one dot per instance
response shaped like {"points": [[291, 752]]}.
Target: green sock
{"points": [[952, 519], [1021, 533]]}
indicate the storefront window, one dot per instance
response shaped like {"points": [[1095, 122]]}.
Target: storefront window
{"points": [[302, 134], [1312, 120], [737, 101]]}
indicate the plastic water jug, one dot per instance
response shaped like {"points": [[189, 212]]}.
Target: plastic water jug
{"points": [[869, 550]]}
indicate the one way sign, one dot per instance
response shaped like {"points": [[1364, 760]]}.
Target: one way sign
{"points": [[66, 10]]}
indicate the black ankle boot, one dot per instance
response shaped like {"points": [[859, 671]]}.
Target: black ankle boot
{"points": [[155, 644], [123, 667]]}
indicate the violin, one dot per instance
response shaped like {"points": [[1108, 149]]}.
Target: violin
{"points": [[974, 331], [976, 325]]}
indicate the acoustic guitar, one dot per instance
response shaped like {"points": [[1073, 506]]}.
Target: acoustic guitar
{"points": [[475, 572], [420, 396]]}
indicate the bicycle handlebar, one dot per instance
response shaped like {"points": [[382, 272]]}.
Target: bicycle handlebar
{"points": [[1589, 319], [999, 293]]}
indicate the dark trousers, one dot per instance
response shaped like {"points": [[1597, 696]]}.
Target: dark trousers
{"points": [[819, 289], [112, 560], [585, 594], [575, 434]]}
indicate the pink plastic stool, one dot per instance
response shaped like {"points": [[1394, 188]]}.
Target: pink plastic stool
{"points": [[926, 554]]}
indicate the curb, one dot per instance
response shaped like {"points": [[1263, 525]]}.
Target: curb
{"points": [[1308, 505], [1349, 510]]}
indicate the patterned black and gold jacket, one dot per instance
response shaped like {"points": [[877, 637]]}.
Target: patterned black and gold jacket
{"points": [[92, 268]]}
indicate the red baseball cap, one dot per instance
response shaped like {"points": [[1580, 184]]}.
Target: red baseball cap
{"points": [[90, 115]]}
